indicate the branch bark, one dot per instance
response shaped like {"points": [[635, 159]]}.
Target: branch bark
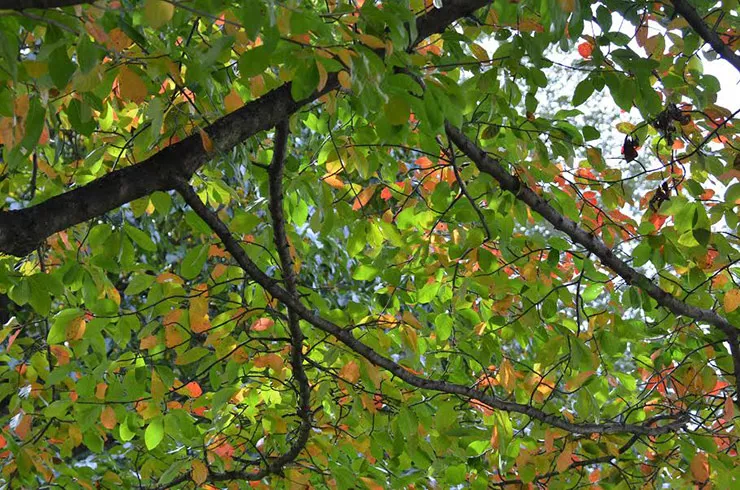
{"points": [[688, 12], [591, 243], [39, 4], [21, 231]]}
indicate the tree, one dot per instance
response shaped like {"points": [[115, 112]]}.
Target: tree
{"points": [[325, 244]]}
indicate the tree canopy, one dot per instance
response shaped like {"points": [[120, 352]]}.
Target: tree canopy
{"points": [[326, 244]]}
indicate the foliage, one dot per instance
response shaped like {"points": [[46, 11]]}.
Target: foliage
{"points": [[311, 244]]}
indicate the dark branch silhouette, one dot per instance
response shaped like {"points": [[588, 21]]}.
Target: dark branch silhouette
{"points": [[689, 13]]}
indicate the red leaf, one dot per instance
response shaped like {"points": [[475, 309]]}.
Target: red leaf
{"points": [[585, 49]]}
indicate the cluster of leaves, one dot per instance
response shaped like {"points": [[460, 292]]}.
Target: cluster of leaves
{"points": [[419, 279]]}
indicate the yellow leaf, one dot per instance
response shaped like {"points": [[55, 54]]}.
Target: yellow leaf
{"points": [[207, 141], [131, 86], [323, 76], [345, 80], [479, 52], [200, 472], [157, 387], [370, 483], [76, 328], [506, 375], [732, 300], [371, 41], [157, 13], [198, 311], [410, 337]]}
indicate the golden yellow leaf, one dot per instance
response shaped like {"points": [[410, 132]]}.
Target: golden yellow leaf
{"points": [[732, 300], [157, 387], [506, 375], [198, 311], [345, 80], [323, 76], [157, 13], [200, 472], [76, 328], [371, 41], [479, 52]]}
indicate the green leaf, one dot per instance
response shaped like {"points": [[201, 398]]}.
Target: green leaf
{"points": [[140, 238], [193, 262], [154, 433]]}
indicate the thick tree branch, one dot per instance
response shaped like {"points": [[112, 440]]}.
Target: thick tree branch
{"points": [[688, 12], [39, 4], [21, 231], [591, 243], [346, 337]]}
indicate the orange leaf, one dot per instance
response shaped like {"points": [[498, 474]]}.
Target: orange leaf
{"points": [[333, 181], [100, 390], [194, 389], [108, 418], [172, 335], [274, 361], [700, 467], [565, 459], [61, 353], [131, 86], [262, 324], [206, 141], [169, 277], [200, 472], [363, 197], [233, 101], [732, 300], [729, 408], [24, 426], [350, 372], [148, 342]]}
